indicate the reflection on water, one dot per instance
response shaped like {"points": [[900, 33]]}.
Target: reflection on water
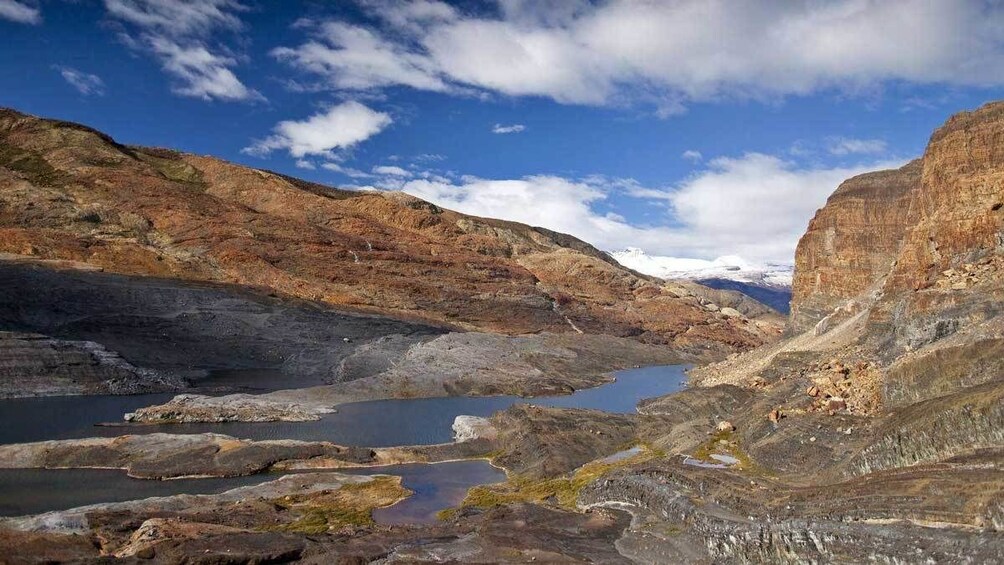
{"points": [[436, 487], [33, 491], [378, 423], [374, 424]]}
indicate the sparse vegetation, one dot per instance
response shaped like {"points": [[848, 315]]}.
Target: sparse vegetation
{"points": [[561, 491], [350, 505], [724, 442]]}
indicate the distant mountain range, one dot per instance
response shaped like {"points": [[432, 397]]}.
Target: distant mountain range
{"points": [[730, 267], [769, 283]]}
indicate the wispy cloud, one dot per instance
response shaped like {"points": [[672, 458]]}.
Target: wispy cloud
{"points": [[514, 128], [391, 171], [849, 146], [178, 34], [609, 53], [339, 127], [692, 155], [19, 12], [86, 83], [347, 171]]}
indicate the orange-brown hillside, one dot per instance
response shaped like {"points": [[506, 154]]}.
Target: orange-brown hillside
{"points": [[69, 192]]}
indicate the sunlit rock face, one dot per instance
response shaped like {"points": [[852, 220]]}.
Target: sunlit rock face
{"points": [[74, 194], [852, 241]]}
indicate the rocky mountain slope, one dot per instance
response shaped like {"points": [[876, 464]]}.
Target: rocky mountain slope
{"points": [[72, 193], [852, 242], [874, 432], [890, 376]]}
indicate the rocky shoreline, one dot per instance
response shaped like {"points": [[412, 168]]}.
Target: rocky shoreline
{"points": [[872, 432]]}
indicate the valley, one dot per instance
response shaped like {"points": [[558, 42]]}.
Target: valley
{"points": [[203, 361]]}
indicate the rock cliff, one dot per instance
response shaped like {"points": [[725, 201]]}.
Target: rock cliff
{"points": [[851, 243], [891, 367], [71, 193]]}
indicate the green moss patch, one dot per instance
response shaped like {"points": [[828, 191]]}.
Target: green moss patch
{"points": [[561, 491], [350, 505], [724, 442]]}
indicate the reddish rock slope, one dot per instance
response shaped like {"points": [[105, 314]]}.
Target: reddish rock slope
{"points": [[851, 243], [69, 192]]}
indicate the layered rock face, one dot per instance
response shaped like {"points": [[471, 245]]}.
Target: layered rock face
{"points": [[900, 272], [959, 209], [70, 193], [851, 243], [877, 426]]}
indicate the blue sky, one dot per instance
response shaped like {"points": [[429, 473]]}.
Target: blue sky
{"points": [[689, 128]]}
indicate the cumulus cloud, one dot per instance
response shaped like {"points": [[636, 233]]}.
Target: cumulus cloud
{"points": [[347, 171], [339, 127], [352, 57], [514, 128], [661, 52], [391, 171], [178, 34], [85, 83], [692, 155], [20, 13], [849, 146], [755, 206]]}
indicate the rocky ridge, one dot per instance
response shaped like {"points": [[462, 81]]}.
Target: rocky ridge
{"points": [[72, 193]]}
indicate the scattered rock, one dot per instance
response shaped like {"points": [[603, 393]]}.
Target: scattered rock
{"points": [[836, 403], [469, 428]]}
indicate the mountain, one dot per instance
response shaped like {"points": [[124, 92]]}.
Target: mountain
{"points": [[74, 194], [728, 267], [768, 283], [875, 426]]}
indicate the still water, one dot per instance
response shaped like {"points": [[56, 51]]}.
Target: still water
{"points": [[377, 423], [33, 491]]}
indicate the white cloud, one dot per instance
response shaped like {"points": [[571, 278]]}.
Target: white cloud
{"points": [[178, 17], [177, 33], [352, 57], [848, 146], [428, 157], [20, 13], [692, 155], [391, 171], [85, 83], [755, 206], [660, 52], [339, 127], [347, 171], [202, 74], [514, 128], [304, 164]]}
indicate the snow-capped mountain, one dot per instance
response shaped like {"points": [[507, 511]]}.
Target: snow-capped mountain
{"points": [[729, 267]]}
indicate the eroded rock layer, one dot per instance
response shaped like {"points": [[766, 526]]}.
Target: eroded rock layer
{"points": [[851, 243], [71, 193]]}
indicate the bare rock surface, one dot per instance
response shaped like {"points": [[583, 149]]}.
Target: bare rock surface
{"points": [[73, 194], [37, 365]]}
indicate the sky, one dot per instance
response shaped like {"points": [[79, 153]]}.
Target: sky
{"points": [[685, 128]]}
